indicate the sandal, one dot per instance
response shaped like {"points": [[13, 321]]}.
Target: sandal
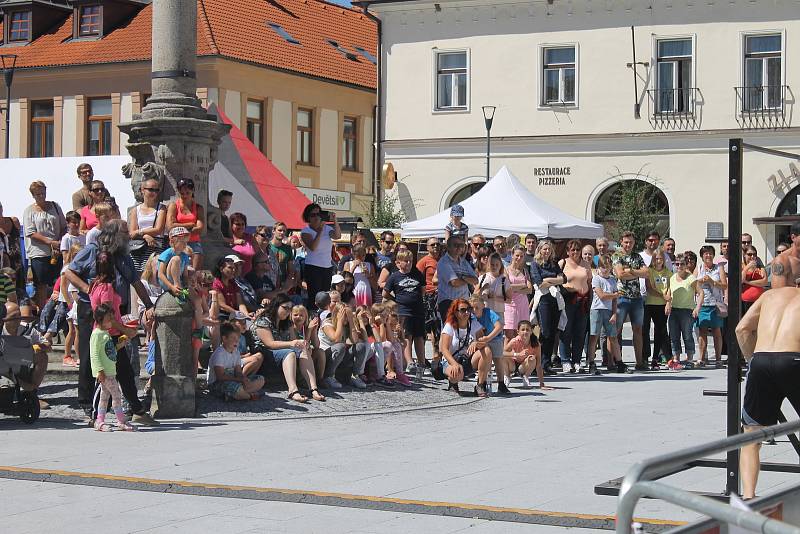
{"points": [[302, 400], [480, 391], [317, 396]]}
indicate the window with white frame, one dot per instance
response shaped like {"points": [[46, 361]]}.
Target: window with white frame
{"points": [[674, 75], [558, 75], [451, 80], [763, 72]]}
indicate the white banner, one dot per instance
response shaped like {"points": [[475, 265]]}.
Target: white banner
{"points": [[327, 199]]}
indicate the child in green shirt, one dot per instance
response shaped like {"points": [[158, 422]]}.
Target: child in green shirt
{"points": [[103, 356]]}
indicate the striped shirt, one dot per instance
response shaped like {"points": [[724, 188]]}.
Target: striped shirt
{"points": [[6, 288]]}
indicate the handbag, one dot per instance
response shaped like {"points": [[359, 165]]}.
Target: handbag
{"points": [[136, 244]]}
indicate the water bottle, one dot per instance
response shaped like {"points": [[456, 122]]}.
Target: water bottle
{"points": [[489, 382]]}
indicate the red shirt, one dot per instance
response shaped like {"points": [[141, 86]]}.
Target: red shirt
{"points": [[427, 266], [751, 293], [228, 292]]}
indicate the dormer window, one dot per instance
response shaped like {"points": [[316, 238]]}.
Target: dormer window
{"points": [[90, 20], [19, 26]]}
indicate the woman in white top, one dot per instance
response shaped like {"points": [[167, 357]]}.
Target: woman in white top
{"points": [[146, 225], [44, 224], [318, 240]]}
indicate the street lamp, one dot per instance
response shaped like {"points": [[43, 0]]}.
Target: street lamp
{"points": [[488, 117], [9, 63]]}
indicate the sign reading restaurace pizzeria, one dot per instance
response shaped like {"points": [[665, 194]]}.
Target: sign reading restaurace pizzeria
{"points": [[552, 175], [328, 199]]}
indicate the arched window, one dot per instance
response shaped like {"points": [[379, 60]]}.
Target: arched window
{"points": [[464, 193], [788, 206], [639, 205]]}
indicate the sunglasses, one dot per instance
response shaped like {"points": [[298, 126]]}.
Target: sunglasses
{"points": [[261, 234], [152, 189], [207, 285], [464, 310], [389, 242], [286, 306], [747, 242], [97, 190], [749, 254]]}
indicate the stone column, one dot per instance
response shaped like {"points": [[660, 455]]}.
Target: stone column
{"points": [[172, 138], [174, 378]]}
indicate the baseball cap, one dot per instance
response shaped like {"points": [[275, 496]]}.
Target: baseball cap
{"points": [[322, 300], [337, 278], [457, 211], [187, 182], [177, 231], [238, 316], [234, 258]]}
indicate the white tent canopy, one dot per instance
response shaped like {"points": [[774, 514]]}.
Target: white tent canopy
{"points": [[505, 206]]}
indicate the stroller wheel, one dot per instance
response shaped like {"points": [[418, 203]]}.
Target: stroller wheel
{"points": [[29, 407]]}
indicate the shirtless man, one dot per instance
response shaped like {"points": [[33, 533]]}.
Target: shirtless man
{"points": [[786, 267], [769, 335], [579, 287]]}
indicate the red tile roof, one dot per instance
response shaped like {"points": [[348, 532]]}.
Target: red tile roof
{"points": [[235, 29]]}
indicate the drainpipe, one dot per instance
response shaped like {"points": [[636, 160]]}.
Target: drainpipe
{"points": [[377, 134]]}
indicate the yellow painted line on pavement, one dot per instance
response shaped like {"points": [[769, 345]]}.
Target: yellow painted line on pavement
{"points": [[7, 471]]}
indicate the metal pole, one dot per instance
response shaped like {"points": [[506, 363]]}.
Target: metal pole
{"points": [[488, 152], [8, 118], [734, 265], [636, 107]]}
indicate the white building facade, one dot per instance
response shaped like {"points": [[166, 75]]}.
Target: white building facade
{"points": [[576, 114]]}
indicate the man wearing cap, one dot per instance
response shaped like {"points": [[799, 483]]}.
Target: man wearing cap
{"points": [[261, 280], [249, 297], [456, 226], [113, 240]]}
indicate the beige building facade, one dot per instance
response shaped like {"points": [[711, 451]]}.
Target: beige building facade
{"points": [[576, 114]]}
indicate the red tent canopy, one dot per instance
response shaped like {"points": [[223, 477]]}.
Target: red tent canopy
{"points": [[260, 190]]}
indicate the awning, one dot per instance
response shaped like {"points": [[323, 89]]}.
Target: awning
{"points": [[787, 220], [259, 189]]}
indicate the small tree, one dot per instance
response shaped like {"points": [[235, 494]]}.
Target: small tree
{"points": [[635, 206], [385, 213]]}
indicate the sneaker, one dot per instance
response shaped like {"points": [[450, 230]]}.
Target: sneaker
{"points": [[69, 361], [621, 367], [331, 383], [503, 389], [411, 368], [384, 382], [366, 379], [641, 367], [557, 361], [568, 368], [144, 419], [526, 381], [677, 366], [506, 381], [419, 372], [403, 380], [580, 369], [549, 371], [593, 370], [356, 382]]}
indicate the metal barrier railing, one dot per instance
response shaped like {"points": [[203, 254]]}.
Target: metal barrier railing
{"points": [[635, 484]]}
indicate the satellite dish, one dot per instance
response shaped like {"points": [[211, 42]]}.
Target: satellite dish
{"points": [[388, 175]]}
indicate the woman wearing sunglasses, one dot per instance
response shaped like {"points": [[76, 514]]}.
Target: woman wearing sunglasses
{"points": [[462, 353], [754, 278], [97, 194], [189, 214], [146, 225]]}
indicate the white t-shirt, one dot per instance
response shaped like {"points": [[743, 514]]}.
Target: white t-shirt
{"points": [[464, 336], [324, 341], [321, 257], [68, 240], [91, 235], [606, 285], [222, 358]]}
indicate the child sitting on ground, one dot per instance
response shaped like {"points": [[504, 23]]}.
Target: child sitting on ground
{"points": [[225, 377], [455, 226], [393, 350], [525, 352], [172, 264], [103, 357]]}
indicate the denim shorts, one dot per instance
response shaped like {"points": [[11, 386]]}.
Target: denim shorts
{"points": [[278, 355], [197, 247], [496, 346], [600, 320], [632, 309], [465, 361]]}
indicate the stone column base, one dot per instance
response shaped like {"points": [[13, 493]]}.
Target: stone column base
{"points": [[173, 396]]}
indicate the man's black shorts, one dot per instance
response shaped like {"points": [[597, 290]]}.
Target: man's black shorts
{"points": [[772, 377], [414, 326]]}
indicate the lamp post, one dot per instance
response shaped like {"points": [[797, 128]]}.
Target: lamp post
{"points": [[9, 63], [488, 117]]}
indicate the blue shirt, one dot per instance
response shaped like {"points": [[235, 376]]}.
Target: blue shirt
{"points": [[166, 256], [84, 264], [487, 320], [447, 270]]}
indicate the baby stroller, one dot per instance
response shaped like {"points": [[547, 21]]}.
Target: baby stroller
{"points": [[16, 365]]}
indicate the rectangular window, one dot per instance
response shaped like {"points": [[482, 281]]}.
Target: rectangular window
{"points": [[19, 26], [558, 75], [305, 136], [451, 80], [41, 130], [99, 127], [674, 76], [90, 20], [255, 123], [763, 72], [350, 144]]}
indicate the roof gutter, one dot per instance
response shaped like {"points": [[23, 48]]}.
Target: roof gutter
{"points": [[377, 158]]}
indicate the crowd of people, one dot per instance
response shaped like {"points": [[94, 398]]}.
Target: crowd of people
{"points": [[286, 304]]}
